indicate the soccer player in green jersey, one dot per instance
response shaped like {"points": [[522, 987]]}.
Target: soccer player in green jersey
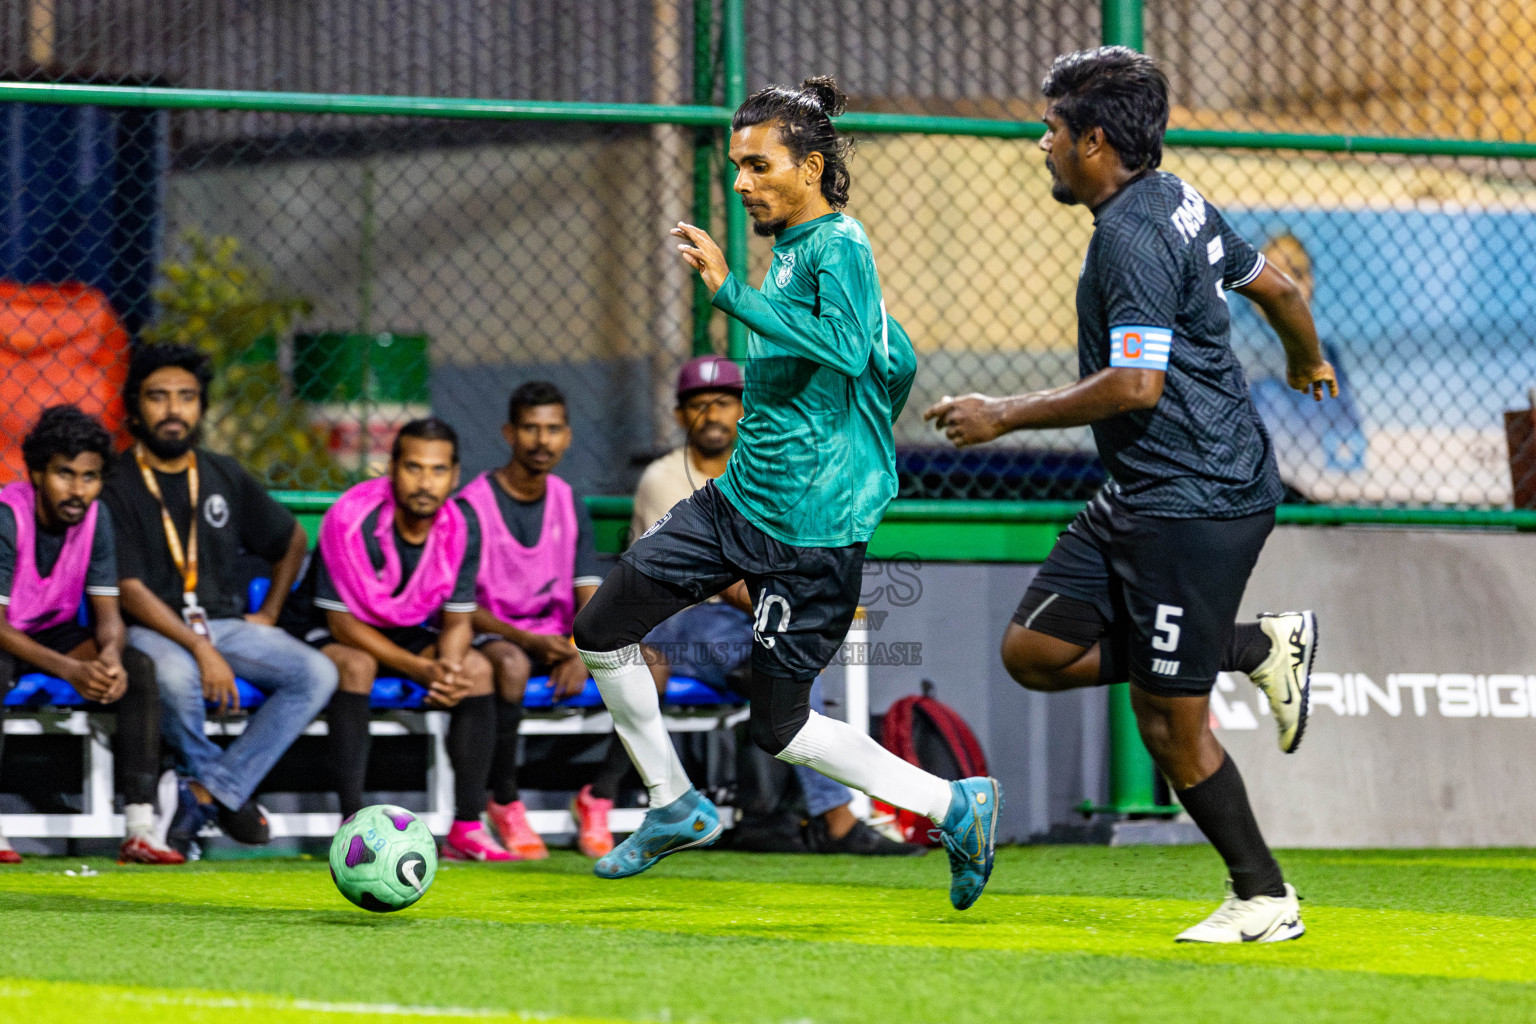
{"points": [[827, 373]]}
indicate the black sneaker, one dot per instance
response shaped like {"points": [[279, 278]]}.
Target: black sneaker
{"points": [[861, 841], [776, 833], [247, 825]]}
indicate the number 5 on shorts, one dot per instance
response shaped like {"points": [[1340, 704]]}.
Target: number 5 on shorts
{"points": [[1167, 631]]}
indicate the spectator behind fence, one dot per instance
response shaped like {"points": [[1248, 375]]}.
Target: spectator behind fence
{"points": [[712, 640], [393, 586], [183, 516], [538, 567], [56, 551]]}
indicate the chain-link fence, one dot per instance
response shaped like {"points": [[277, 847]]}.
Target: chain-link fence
{"points": [[353, 263]]}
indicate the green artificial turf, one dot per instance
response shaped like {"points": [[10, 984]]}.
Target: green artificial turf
{"points": [[1063, 934]]}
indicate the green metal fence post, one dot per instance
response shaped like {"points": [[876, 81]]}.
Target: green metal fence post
{"points": [[1122, 23], [703, 155], [1132, 777], [733, 57]]}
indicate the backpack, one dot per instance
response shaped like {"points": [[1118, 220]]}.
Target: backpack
{"points": [[922, 731]]}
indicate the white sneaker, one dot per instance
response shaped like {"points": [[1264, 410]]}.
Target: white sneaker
{"points": [[1261, 919], [1285, 677]]}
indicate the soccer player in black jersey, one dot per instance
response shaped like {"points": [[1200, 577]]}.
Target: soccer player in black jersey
{"points": [[1146, 581]]}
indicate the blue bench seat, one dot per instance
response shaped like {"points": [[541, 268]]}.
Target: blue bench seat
{"points": [[36, 690]]}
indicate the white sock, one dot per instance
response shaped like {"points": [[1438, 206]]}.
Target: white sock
{"points": [[139, 818], [841, 752], [630, 693]]}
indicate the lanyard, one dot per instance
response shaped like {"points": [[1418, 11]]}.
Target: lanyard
{"points": [[186, 564]]}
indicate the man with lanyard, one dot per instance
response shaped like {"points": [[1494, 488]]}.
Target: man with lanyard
{"points": [[55, 550], [393, 585], [538, 567], [183, 516]]}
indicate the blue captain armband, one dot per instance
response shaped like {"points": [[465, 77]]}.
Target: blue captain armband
{"points": [[1145, 348]]}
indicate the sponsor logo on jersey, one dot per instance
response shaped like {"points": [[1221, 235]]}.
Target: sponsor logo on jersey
{"points": [[785, 268], [1189, 218], [1165, 666], [216, 511]]}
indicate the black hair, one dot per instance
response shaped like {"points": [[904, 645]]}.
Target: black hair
{"points": [[535, 392], [65, 430], [147, 359], [804, 118], [429, 429], [1118, 90]]}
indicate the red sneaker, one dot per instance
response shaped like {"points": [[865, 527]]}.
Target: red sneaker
{"points": [[9, 856], [468, 840], [591, 813], [511, 824], [146, 848]]}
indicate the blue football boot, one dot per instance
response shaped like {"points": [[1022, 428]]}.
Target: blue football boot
{"points": [[690, 820], [184, 818], [969, 834]]}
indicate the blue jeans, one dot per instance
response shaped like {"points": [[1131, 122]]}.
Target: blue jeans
{"points": [[710, 641], [297, 679]]}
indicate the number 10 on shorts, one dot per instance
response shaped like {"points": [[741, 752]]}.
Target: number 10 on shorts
{"points": [[1165, 635]]}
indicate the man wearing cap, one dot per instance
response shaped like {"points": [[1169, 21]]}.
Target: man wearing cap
{"points": [[712, 640]]}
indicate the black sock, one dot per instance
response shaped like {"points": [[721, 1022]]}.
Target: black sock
{"points": [[1219, 805], [509, 716], [471, 742], [616, 768], [1247, 649], [136, 748], [346, 721]]}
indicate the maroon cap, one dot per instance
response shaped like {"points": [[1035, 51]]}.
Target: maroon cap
{"points": [[709, 373]]}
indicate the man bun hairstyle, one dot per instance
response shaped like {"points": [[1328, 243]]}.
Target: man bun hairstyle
{"points": [[804, 120], [147, 359], [428, 429], [65, 430], [1118, 90]]}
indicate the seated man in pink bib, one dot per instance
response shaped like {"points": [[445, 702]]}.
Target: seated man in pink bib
{"points": [[56, 548], [538, 567], [392, 589]]}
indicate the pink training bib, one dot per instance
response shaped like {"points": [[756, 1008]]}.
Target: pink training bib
{"points": [[530, 588], [38, 603], [370, 595]]}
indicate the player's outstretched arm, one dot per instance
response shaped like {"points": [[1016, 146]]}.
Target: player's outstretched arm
{"points": [[1284, 307], [837, 338], [977, 419]]}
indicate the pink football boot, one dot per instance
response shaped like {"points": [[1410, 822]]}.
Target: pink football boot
{"points": [[468, 840], [511, 824], [591, 813]]}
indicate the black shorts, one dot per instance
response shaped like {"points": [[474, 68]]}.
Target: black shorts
{"points": [[412, 638], [805, 597], [1163, 591]]}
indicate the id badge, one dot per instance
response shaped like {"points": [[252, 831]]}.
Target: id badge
{"points": [[195, 618]]}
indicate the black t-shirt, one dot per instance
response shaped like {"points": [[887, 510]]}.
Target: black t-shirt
{"points": [[316, 593], [100, 573], [1153, 294], [525, 521], [235, 514]]}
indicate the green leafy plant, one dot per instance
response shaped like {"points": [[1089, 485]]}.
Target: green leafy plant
{"points": [[217, 300]]}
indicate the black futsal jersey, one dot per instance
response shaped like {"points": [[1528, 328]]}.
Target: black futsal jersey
{"points": [[1153, 294]]}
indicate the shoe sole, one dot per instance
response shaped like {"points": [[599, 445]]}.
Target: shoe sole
{"points": [[702, 841]]}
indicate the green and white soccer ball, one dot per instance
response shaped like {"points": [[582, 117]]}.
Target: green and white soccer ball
{"points": [[383, 858]]}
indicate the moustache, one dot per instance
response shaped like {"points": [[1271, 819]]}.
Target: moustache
{"points": [[73, 505], [171, 423], [421, 496]]}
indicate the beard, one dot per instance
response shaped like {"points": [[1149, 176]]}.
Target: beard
{"points": [[1059, 190], [770, 228], [711, 444], [165, 447]]}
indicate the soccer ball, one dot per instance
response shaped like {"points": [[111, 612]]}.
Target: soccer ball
{"points": [[383, 858]]}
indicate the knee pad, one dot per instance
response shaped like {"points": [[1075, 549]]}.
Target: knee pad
{"points": [[780, 709]]}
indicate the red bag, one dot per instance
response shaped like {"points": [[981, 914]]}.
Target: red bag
{"points": [[933, 736]]}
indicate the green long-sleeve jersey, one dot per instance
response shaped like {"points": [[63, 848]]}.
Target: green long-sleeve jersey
{"points": [[827, 373]]}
